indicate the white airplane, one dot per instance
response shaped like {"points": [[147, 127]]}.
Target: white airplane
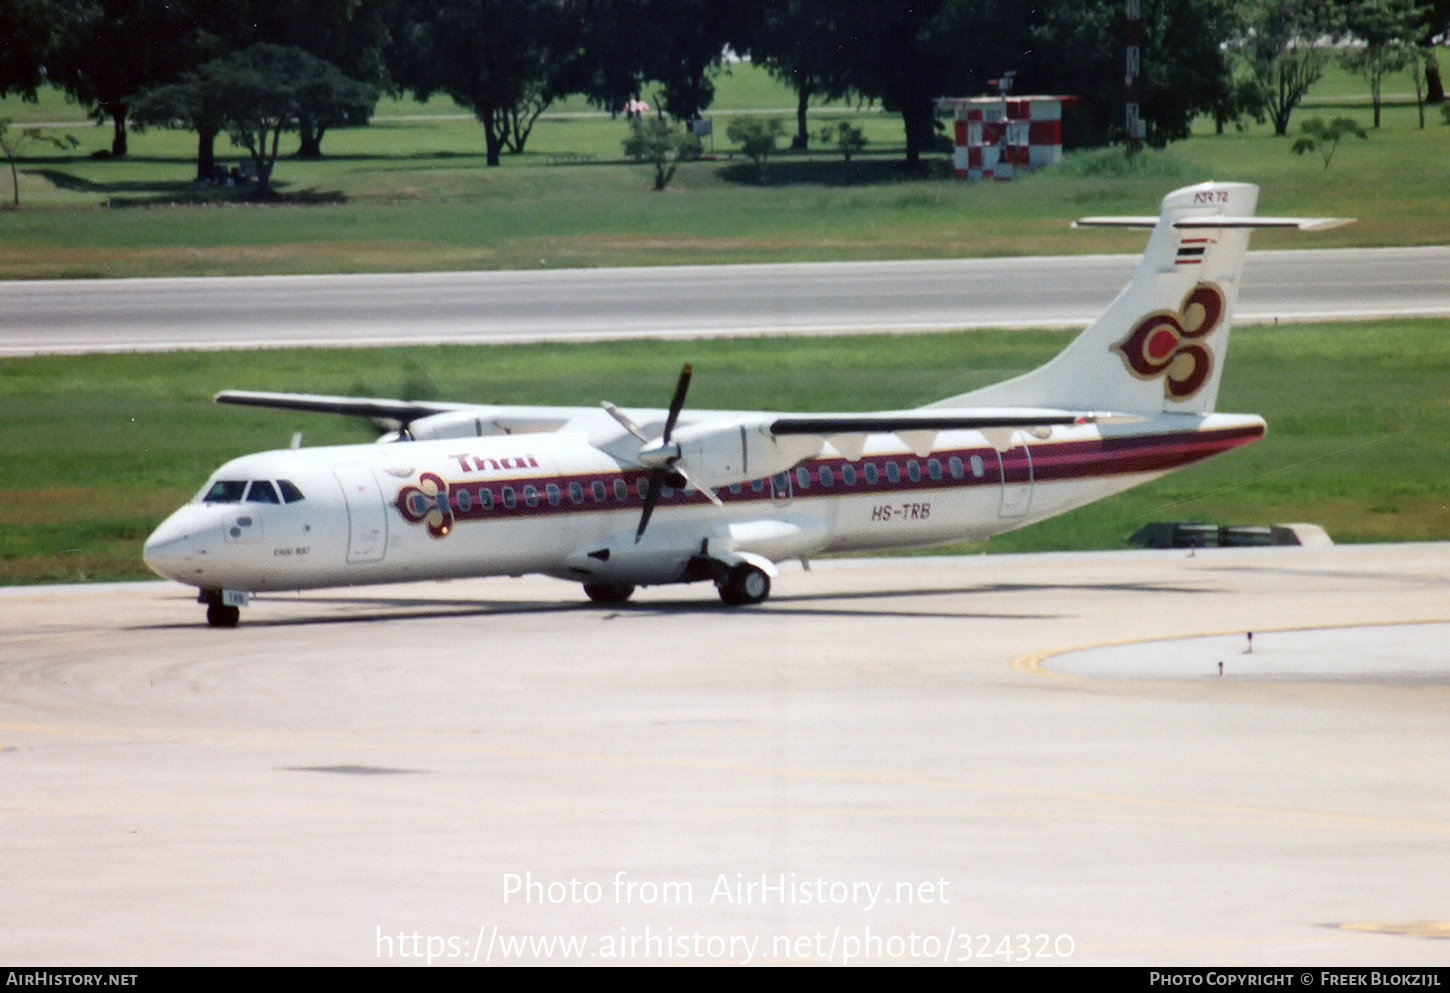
{"points": [[619, 499]]}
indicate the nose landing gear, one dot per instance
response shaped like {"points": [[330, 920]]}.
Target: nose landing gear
{"points": [[223, 607]]}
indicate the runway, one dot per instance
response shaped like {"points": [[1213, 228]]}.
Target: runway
{"points": [[684, 301], [923, 760]]}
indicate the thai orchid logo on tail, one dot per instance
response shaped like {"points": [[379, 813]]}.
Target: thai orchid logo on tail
{"points": [[1174, 344]]}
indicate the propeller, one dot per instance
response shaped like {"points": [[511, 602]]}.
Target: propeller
{"points": [[662, 455]]}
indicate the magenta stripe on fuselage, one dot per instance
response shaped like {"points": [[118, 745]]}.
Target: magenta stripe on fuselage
{"points": [[948, 469]]}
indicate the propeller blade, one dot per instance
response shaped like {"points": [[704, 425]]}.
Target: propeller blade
{"points": [[694, 481], [677, 403], [663, 467], [656, 480], [624, 421]]}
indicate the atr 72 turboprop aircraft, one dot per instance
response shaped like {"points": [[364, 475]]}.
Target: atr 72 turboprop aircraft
{"points": [[619, 499]]}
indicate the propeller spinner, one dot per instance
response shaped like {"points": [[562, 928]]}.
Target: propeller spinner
{"points": [[662, 455]]}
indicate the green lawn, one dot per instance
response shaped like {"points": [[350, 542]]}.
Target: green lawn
{"points": [[410, 192], [1359, 426], [126, 438]]}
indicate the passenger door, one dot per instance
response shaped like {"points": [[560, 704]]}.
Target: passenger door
{"points": [[367, 518]]}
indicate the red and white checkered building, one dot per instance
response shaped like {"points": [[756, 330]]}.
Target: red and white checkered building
{"points": [[998, 137]]}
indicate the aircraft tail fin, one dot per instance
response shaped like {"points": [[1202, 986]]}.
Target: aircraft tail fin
{"points": [[1161, 344]]}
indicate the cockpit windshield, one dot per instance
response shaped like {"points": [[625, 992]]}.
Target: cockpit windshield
{"points": [[226, 491], [259, 491]]}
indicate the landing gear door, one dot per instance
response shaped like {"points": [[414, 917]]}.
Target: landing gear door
{"points": [[367, 519]]}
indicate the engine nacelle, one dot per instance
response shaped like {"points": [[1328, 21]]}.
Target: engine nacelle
{"points": [[740, 450], [451, 424]]}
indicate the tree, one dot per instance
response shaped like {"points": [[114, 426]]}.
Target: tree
{"points": [[12, 144], [29, 33], [1325, 138], [889, 49], [670, 48], [1079, 49], [848, 139], [191, 104], [1436, 30], [491, 56], [1282, 47], [1385, 33], [799, 41], [663, 145], [256, 95], [352, 35], [114, 49], [757, 138], [1421, 58]]}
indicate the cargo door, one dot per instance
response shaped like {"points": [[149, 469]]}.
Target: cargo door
{"points": [[1015, 466]]}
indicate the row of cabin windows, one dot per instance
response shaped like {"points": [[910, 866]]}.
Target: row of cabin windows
{"points": [[465, 499], [257, 491], [826, 477], [284, 491]]}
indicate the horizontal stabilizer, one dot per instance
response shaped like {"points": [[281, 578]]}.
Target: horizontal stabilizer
{"points": [[1218, 222]]}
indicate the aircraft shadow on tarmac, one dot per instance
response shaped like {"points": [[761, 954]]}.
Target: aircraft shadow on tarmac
{"points": [[851, 603]]}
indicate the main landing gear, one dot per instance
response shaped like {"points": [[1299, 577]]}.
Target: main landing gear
{"points": [[739, 586], [744, 584]]}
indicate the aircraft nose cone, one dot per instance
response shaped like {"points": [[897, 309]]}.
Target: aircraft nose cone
{"points": [[172, 551]]}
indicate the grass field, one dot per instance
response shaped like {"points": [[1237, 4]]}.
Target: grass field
{"points": [[1359, 424], [98, 449], [410, 193]]}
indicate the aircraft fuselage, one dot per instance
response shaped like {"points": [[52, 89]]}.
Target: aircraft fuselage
{"points": [[553, 503]]}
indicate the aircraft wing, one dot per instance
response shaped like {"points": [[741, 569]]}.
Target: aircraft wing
{"points": [[401, 411], [918, 428], [894, 422], [448, 419]]}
